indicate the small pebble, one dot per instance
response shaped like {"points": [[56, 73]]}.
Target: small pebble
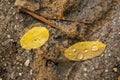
{"points": [[8, 36], [118, 58], [115, 69], [15, 27], [102, 55], [119, 33], [12, 75], [109, 54], [27, 62], [84, 69], [31, 72], [65, 43], [20, 74], [106, 61], [85, 74], [93, 68], [106, 70], [116, 44], [5, 64], [112, 37]]}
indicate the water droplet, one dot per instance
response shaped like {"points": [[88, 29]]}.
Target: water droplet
{"points": [[85, 50], [73, 50], [94, 48], [80, 56], [69, 54]]}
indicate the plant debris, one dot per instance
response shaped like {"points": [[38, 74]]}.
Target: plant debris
{"points": [[39, 17]]}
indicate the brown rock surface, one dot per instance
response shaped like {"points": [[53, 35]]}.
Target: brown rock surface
{"points": [[49, 63]]}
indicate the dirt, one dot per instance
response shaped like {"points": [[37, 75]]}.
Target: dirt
{"points": [[48, 62]]}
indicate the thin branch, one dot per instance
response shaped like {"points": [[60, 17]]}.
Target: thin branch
{"points": [[39, 17]]}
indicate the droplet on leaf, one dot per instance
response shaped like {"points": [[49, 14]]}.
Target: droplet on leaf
{"points": [[80, 56], [34, 38], [73, 50], [94, 48], [69, 54], [84, 50]]}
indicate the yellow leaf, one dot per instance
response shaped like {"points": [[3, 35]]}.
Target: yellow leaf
{"points": [[119, 78], [84, 50], [34, 38]]}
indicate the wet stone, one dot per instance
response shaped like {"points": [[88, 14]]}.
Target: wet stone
{"points": [[115, 69], [27, 62], [85, 69], [20, 74], [106, 70]]}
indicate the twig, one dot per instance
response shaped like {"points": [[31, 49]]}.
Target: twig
{"points": [[45, 19], [70, 20], [39, 17]]}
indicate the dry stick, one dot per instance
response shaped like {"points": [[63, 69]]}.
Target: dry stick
{"points": [[43, 19], [70, 20], [39, 17]]}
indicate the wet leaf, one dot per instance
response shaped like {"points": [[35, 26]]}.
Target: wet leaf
{"points": [[34, 38], [84, 50], [119, 78]]}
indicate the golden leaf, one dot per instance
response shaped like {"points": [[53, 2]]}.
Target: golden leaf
{"points": [[84, 50], [34, 38], [119, 78]]}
